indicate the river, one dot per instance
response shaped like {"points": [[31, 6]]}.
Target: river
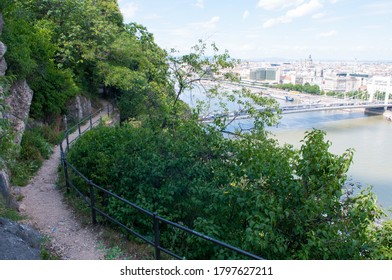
{"points": [[370, 136]]}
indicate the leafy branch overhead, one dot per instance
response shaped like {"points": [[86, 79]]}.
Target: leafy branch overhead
{"points": [[209, 71]]}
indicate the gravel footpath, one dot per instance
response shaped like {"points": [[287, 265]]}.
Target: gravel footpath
{"points": [[46, 210]]}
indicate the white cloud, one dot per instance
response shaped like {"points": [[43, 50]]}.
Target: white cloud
{"points": [[305, 9], [328, 34], [278, 4], [211, 24], [128, 9], [246, 14], [207, 25], [200, 4], [334, 1], [300, 11], [276, 21]]}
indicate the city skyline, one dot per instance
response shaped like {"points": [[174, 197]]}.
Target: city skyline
{"points": [[264, 29]]}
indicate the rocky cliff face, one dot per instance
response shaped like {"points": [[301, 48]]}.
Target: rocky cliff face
{"points": [[19, 102], [78, 108], [3, 64], [19, 242]]}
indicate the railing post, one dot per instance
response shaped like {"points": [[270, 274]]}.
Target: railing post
{"points": [[157, 237], [91, 122], [79, 129], [67, 141], [65, 167], [92, 204]]}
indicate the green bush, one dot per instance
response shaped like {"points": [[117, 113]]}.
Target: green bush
{"points": [[36, 146], [274, 201]]}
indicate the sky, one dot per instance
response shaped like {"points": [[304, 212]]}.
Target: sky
{"points": [[264, 29]]}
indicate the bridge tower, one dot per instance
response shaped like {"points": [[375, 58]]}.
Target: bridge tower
{"points": [[386, 101]]}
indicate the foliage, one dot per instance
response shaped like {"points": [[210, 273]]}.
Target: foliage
{"points": [[364, 95], [56, 45], [312, 89], [208, 70], [111, 253], [382, 241], [277, 202], [36, 146]]}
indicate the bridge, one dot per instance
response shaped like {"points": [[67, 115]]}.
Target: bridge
{"points": [[309, 103], [334, 106], [303, 108]]}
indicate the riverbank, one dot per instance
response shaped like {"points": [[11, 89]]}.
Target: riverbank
{"points": [[388, 115]]}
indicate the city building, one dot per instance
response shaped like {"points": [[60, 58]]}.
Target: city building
{"points": [[379, 84], [269, 75]]}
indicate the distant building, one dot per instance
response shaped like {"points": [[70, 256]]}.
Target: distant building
{"points": [[344, 82], [269, 75], [379, 84], [334, 83]]}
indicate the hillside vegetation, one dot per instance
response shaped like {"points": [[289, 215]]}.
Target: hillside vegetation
{"points": [[244, 189]]}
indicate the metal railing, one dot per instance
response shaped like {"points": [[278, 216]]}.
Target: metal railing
{"points": [[90, 199]]}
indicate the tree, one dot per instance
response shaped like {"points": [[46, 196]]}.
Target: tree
{"points": [[198, 69]]}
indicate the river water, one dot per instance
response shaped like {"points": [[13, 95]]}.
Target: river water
{"points": [[370, 136]]}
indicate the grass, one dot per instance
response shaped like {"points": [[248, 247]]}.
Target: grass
{"points": [[36, 146], [46, 252], [7, 212]]}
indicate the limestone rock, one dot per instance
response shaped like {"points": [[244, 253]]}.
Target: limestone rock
{"points": [[3, 64], [19, 101], [18, 242], [79, 108], [3, 49], [4, 184]]}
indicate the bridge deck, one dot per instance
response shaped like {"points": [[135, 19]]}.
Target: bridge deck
{"points": [[303, 109]]}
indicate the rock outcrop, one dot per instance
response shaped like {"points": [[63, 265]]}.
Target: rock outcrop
{"points": [[3, 64], [19, 102], [79, 108], [19, 242], [5, 189]]}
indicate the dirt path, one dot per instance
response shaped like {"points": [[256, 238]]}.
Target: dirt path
{"points": [[43, 204]]}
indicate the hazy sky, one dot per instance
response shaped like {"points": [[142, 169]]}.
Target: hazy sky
{"points": [[292, 29]]}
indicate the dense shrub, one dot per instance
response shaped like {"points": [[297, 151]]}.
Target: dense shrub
{"points": [[273, 201], [36, 146]]}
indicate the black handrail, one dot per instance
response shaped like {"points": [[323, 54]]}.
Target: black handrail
{"points": [[90, 200]]}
